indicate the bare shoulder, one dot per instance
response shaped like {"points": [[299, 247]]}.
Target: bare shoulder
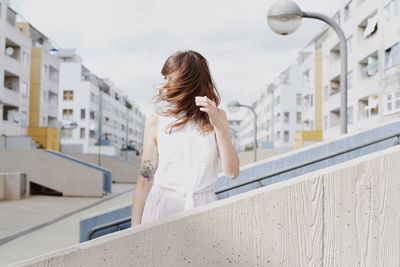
{"points": [[152, 121]]}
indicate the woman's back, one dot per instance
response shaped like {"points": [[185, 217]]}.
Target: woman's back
{"points": [[187, 169]]}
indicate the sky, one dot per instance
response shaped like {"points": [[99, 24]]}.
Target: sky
{"points": [[128, 41]]}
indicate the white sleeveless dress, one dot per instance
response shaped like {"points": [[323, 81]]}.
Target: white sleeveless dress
{"points": [[187, 170]]}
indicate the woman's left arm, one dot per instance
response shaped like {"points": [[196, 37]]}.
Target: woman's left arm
{"points": [[229, 158]]}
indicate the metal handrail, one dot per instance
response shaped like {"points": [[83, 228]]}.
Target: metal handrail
{"points": [[303, 164], [107, 225]]}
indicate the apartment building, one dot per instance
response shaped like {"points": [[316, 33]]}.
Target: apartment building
{"points": [[15, 51], [372, 29], [44, 87], [98, 108], [278, 110], [311, 61]]}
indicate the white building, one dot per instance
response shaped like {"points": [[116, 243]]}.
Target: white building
{"points": [[372, 29], [278, 109], [15, 74], [84, 99]]}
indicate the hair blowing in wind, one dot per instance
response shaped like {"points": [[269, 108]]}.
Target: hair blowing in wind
{"points": [[187, 76]]}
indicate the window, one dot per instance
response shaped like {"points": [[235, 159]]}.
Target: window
{"points": [[278, 117], [92, 116], [92, 134], [68, 95], [44, 70], [277, 100], [278, 135], [298, 117], [286, 115], [83, 114], [67, 133], [24, 89], [82, 133], [392, 56], [24, 119], [298, 99], [67, 114], [350, 78], [25, 58], [369, 67], [44, 96], [286, 136], [371, 26], [306, 76], [393, 9], [92, 98], [347, 11], [392, 102]]}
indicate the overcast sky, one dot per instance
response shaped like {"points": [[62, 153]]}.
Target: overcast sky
{"points": [[129, 40]]}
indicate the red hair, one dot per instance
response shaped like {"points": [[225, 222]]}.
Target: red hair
{"points": [[188, 76]]}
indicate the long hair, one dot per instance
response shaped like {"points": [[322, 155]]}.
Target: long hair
{"points": [[189, 76]]}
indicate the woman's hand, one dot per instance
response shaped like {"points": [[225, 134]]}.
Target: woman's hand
{"points": [[209, 106]]}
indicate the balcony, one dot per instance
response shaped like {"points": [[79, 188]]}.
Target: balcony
{"points": [[8, 96], [334, 69], [11, 128], [52, 109], [367, 35], [10, 93]]}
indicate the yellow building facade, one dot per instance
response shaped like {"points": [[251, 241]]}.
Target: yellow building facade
{"points": [[43, 103]]}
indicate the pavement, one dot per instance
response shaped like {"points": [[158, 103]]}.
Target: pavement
{"points": [[42, 224]]}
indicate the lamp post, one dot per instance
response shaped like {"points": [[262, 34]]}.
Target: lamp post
{"points": [[284, 17], [72, 125], [99, 151], [233, 106]]}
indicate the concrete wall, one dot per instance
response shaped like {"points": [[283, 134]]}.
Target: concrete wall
{"points": [[14, 186], [122, 171], [346, 215], [57, 173], [16, 142]]}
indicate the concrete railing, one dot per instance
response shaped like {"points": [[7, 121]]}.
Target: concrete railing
{"points": [[62, 175], [122, 171], [335, 152], [14, 186], [107, 175], [312, 158], [345, 215]]}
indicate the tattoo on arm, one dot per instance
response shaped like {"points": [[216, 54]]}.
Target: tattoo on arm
{"points": [[147, 170]]}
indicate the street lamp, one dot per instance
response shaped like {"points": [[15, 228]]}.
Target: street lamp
{"points": [[284, 17], [233, 106], [72, 125], [99, 150]]}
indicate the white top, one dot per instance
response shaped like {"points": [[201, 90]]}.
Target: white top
{"points": [[187, 159]]}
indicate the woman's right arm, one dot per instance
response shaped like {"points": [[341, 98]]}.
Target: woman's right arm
{"points": [[148, 167]]}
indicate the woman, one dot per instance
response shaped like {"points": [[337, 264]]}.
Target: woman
{"points": [[183, 141]]}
